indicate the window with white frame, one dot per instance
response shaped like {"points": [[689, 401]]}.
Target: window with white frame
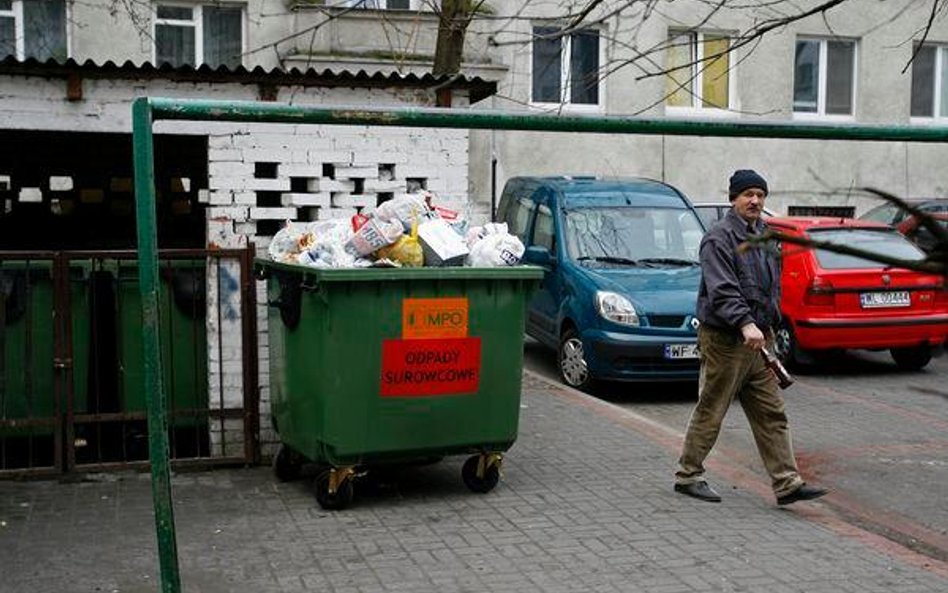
{"points": [[199, 34], [824, 76], [565, 66], [699, 70], [930, 81], [33, 29], [382, 4]]}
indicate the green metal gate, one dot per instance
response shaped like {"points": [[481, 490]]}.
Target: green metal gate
{"points": [[72, 386]]}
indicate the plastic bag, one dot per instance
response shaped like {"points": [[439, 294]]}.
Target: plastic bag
{"points": [[406, 250], [475, 234], [373, 235], [327, 255], [322, 245], [496, 250], [289, 241], [403, 208]]}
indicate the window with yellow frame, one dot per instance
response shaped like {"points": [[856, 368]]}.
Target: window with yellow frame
{"points": [[698, 67]]}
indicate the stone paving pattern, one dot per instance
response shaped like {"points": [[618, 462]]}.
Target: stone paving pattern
{"points": [[585, 505]]}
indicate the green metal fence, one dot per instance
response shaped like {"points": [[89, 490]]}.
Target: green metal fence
{"points": [[146, 110]]}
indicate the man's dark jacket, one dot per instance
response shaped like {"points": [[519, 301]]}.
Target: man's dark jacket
{"points": [[738, 288]]}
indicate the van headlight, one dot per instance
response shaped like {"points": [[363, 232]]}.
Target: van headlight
{"points": [[616, 308]]}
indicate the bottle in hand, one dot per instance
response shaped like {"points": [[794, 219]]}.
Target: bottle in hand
{"points": [[784, 379]]}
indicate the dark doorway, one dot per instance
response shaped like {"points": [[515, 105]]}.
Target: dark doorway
{"points": [[61, 190]]}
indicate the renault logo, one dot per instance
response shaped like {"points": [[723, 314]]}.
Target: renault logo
{"points": [[695, 323]]}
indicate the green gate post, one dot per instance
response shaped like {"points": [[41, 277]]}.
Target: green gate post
{"points": [[143, 147]]}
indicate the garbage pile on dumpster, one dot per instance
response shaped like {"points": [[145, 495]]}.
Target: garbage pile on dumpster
{"points": [[406, 231]]}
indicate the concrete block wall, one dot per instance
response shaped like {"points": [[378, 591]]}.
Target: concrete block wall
{"points": [[260, 176]]}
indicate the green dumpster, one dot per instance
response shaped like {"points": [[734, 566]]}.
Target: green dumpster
{"points": [[26, 346], [182, 314], [389, 365], [27, 356]]}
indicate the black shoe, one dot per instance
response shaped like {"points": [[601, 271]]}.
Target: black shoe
{"points": [[804, 492], [699, 490]]}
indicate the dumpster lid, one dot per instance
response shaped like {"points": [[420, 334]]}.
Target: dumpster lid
{"points": [[524, 272]]}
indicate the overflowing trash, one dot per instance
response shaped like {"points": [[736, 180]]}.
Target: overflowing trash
{"points": [[406, 231]]}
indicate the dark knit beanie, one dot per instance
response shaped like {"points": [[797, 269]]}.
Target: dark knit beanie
{"points": [[743, 179]]}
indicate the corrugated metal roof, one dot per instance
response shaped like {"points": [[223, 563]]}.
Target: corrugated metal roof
{"points": [[477, 87]]}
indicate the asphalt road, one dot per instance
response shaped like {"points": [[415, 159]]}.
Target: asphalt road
{"points": [[875, 435]]}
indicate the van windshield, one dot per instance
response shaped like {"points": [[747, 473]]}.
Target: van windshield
{"points": [[656, 236]]}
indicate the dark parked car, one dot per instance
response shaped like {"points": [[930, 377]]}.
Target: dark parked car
{"points": [[920, 235], [711, 212], [889, 213], [621, 258]]}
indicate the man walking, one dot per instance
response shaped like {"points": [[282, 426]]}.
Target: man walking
{"points": [[738, 306]]}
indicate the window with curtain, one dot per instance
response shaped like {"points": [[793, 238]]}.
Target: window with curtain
{"points": [[195, 35], [33, 29], [565, 66], [930, 81], [699, 70], [824, 76]]}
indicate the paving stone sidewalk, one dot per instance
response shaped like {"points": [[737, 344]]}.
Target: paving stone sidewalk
{"points": [[585, 505]]}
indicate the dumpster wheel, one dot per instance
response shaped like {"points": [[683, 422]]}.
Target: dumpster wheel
{"points": [[287, 464], [482, 472], [334, 489]]}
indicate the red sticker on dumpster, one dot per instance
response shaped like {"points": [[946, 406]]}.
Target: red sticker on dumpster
{"points": [[412, 368]]}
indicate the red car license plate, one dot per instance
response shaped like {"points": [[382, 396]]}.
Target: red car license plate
{"points": [[873, 300]]}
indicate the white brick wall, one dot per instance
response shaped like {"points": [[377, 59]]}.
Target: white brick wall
{"points": [[369, 160]]}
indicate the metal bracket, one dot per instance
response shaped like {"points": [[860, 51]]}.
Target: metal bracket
{"points": [[488, 460], [338, 477]]}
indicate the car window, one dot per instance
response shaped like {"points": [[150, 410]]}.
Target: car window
{"points": [[881, 241], [632, 233], [884, 213], [543, 228], [708, 215], [924, 238], [518, 217]]}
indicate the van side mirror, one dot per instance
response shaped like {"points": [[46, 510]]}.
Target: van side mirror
{"points": [[538, 256]]}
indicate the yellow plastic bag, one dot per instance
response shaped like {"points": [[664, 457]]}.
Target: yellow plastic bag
{"points": [[406, 250]]}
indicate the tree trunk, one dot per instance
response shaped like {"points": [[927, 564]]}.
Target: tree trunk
{"points": [[452, 26]]}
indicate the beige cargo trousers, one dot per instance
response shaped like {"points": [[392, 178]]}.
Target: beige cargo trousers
{"points": [[731, 370]]}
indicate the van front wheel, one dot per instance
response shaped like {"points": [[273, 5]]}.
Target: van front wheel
{"points": [[572, 361]]}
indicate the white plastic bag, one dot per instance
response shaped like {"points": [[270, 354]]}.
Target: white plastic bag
{"points": [[403, 208], [285, 245], [475, 234], [496, 250]]}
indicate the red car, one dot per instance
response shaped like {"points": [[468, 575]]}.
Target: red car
{"points": [[832, 301]]}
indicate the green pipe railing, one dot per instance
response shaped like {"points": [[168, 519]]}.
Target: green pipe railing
{"points": [[147, 110], [420, 117]]}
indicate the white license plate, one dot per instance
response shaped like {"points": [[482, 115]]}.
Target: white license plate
{"points": [[872, 300], [681, 351]]}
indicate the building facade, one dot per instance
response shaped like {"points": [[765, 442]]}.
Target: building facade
{"points": [[69, 71], [852, 65]]}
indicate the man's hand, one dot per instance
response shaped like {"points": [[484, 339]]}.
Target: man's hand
{"points": [[753, 337]]}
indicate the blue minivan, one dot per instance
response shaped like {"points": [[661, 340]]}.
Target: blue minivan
{"points": [[618, 297]]}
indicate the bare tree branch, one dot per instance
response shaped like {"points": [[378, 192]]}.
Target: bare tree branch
{"points": [[925, 32]]}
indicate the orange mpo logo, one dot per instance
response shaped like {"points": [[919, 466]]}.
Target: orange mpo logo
{"points": [[434, 318]]}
